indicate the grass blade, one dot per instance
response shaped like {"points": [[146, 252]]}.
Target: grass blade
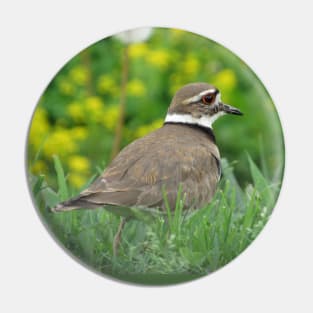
{"points": [[63, 191], [38, 185], [261, 184]]}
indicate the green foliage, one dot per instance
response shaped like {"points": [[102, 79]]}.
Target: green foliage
{"points": [[77, 114], [170, 248]]}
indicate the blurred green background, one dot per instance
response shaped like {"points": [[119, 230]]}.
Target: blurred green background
{"points": [[77, 116]]}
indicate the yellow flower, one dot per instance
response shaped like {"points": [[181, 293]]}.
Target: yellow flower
{"points": [[90, 109], [76, 180], [39, 167], [66, 87], [225, 80], [94, 108], [145, 129], [110, 117], [79, 133], [79, 75], [39, 127], [191, 65], [78, 163], [136, 87], [137, 50], [94, 104], [159, 58], [59, 142], [76, 111], [106, 84]]}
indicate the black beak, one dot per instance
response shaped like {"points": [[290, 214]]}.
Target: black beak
{"points": [[229, 109]]}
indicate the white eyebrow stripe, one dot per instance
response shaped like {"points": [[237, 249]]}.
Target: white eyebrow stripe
{"points": [[198, 96]]}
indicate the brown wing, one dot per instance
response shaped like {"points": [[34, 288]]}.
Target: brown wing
{"points": [[163, 160]]}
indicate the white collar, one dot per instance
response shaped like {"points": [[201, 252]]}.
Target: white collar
{"points": [[205, 121]]}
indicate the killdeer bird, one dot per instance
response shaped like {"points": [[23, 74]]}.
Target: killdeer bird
{"points": [[181, 154]]}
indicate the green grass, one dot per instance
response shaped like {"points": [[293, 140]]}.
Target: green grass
{"points": [[168, 248]]}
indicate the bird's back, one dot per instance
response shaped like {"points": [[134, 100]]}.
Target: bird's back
{"points": [[160, 162]]}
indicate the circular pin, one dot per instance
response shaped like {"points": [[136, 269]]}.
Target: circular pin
{"points": [[155, 156]]}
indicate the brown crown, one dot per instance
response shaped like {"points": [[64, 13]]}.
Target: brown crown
{"points": [[188, 91]]}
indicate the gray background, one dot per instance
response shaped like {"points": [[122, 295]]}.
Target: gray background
{"points": [[274, 39]]}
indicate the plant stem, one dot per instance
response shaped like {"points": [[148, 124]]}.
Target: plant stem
{"points": [[85, 57], [122, 106]]}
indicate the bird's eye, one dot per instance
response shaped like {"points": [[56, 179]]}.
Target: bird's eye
{"points": [[207, 99]]}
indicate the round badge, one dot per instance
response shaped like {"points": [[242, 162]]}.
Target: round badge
{"points": [[155, 156]]}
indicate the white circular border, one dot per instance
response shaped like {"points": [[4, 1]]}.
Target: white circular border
{"points": [[273, 273]]}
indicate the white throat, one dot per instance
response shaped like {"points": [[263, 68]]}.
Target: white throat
{"points": [[204, 121]]}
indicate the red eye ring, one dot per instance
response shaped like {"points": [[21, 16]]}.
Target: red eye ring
{"points": [[207, 99]]}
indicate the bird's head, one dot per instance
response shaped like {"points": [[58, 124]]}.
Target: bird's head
{"points": [[198, 103]]}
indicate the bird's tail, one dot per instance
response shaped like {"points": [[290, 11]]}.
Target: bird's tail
{"points": [[73, 204], [61, 207]]}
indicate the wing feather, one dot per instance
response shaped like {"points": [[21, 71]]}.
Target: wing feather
{"points": [[140, 172]]}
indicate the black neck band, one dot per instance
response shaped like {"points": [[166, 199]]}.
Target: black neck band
{"points": [[207, 130]]}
